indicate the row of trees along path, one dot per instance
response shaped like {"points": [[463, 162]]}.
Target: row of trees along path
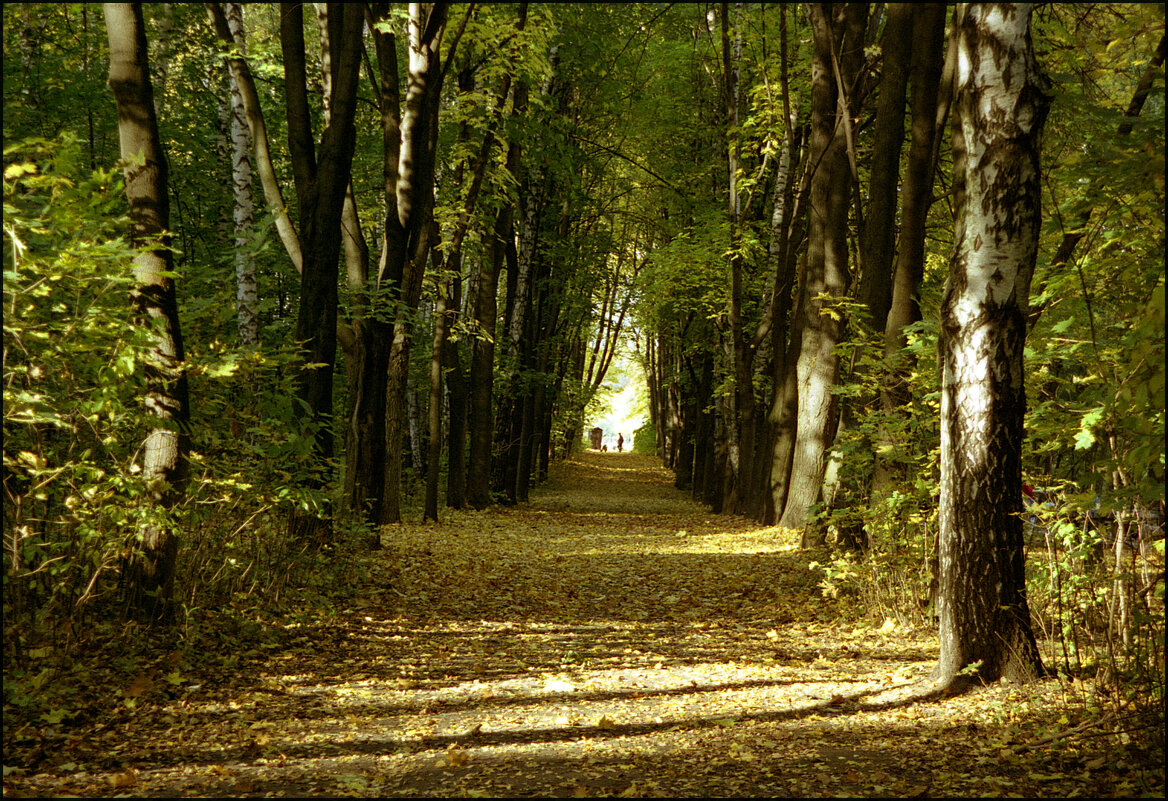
{"points": [[612, 637], [727, 182]]}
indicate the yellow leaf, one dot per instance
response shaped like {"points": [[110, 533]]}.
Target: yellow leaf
{"points": [[127, 779], [140, 685], [17, 170]]}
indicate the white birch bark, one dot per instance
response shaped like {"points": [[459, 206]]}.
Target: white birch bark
{"points": [[246, 286], [1000, 106]]}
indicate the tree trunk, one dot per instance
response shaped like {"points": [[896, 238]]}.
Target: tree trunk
{"points": [[826, 276], [249, 97], [787, 228], [879, 234], [246, 294], [415, 208], [434, 419], [149, 577], [481, 420], [456, 395], [1000, 106], [320, 187], [365, 459], [454, 376], [927, 59]]}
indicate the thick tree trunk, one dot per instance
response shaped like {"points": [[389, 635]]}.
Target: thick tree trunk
{"points": [[787, 230], [368, 357], [784, 414], [149, 580], [826, 277], [378, 418], [365, 456], [1000, 107], [414, 207]]}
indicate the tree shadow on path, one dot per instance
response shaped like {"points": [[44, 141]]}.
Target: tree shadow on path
{"points": [[610, 638]]}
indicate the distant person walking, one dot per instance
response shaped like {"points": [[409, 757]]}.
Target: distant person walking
{"points": [[620, 442]]}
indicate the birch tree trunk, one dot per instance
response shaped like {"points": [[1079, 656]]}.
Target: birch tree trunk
{"points": [[245, 83], [246, 291], [150, 572], [1000, 106]]}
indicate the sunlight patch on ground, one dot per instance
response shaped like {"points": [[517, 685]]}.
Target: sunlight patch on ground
{"points": [[557, 649]]}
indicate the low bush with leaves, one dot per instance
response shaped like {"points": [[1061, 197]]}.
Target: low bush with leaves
{"points": [[74, 420]]}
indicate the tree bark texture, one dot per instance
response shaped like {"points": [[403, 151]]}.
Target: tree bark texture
{"points": [[415, 208], [927, 58], [246, 289], [149, 579], [879, 234], [365, 459], [321, 183], [244, 81], [1000, 106], [826, 277]]}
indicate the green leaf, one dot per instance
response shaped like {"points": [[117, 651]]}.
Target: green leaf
{"points": [[1085, 437]]}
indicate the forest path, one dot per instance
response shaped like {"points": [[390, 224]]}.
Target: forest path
{"points": [[611, 637]]}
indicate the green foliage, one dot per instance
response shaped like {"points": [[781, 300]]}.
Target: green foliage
{"points": [[73, 418], [645, 440], [625, 133]]}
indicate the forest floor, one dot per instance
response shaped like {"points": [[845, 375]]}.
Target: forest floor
{"points": [[610, 638]]}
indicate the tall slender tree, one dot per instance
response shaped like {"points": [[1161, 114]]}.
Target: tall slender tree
{"points": [[247, 292], [244, 83], [481, 421], [321, 182], [150, 579]]}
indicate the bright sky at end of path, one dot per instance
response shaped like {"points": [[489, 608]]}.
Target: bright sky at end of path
{"points": [[628, 402]]}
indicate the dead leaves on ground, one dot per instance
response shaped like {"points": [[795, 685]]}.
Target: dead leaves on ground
{"points": [[612, 638]]}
